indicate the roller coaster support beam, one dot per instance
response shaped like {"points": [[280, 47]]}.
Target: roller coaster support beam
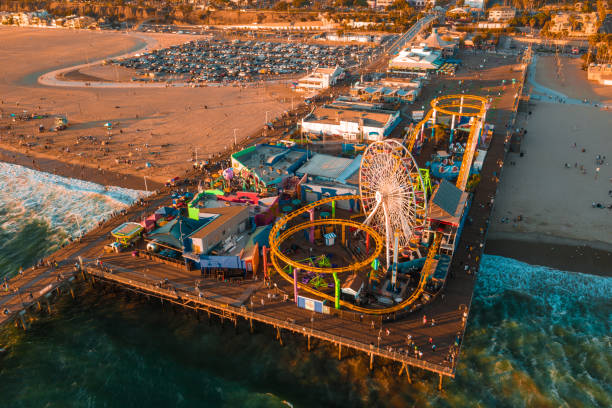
{"points": [[395, 259], [343, 234], [367, 243], [337, 290], [452, 130], [295, 286], [265, 262], [334, 209], [311, 236], [433, 125]]}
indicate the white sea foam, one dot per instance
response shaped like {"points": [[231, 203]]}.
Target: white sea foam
{"points": [[556, 288], [61, 201]]}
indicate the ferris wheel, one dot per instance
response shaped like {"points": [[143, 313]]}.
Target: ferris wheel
{"points": [[392, 193]]}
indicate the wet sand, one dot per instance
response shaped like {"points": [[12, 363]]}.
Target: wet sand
{"points": [[574, 258], [104, 177]]}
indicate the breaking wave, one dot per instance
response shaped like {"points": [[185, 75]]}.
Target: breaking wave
{"points": [[39, 211]]}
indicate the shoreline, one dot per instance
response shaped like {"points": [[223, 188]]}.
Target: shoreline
{"points": [[565, 254], [85, 173]]}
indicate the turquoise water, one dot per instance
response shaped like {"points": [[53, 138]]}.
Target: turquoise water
{"points": [[536, 337]]}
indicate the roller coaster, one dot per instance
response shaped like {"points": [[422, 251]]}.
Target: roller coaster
{"points": [[456, 106], [276, 256]]}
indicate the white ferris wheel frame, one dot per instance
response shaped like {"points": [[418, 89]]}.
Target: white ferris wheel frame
{"points": [[391, 186]]}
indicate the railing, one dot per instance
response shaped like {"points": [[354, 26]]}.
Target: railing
{"points": [[183, 296]]}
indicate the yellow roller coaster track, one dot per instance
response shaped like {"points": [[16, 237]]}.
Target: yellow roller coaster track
{"points": [[274, 246], [433, 250], [444, 104], [276, 255]]}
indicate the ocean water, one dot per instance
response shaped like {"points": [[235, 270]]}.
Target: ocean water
{"points": [[39, 211], [537, 337]]}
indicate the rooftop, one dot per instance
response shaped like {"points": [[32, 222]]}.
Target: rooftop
{"points": [[221, 216], [330, 167], [270, 163], [334, 115], [447, 203]]}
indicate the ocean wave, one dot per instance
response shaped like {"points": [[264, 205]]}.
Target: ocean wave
{"points": [[39, 210]]}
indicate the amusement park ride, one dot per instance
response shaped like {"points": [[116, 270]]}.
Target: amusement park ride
{"points": [[394, 201]]}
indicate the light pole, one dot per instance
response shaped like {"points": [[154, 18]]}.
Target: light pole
{"points": [[267, 117], [145, 180], [235, 140]]}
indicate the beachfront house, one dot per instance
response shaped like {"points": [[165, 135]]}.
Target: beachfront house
{"points": [[501, 13], [320, 78], [574, 24]]}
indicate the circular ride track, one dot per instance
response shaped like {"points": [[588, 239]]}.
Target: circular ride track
{"points": [[276, 256]]}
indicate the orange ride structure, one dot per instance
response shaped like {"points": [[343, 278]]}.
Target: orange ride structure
{"points": [[456, 106], [394, 201]]}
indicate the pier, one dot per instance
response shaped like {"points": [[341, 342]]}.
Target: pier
{"points": [[258, 303]]}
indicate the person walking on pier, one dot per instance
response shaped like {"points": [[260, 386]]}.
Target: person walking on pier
{"points": [[424, 320]]}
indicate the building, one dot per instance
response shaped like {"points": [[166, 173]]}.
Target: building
{"points": [[353, 286], [389, 90], [353, 37], [380, 4], [447, 208], [285, 26], [475, 4], [330, 176], [601, 73], [574, 24], [435, 42], [420, 3], [351, 121], [268, 165], [320, 78], [417, 59], [501, 13], [221, 224], [606, 25]]}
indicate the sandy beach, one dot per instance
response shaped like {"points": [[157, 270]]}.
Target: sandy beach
{"points": [[570, 79], [164, 127], [555, 202]]}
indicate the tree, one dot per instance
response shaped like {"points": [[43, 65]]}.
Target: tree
{"points": [[299, 3], [281, 6], [601, 10]]}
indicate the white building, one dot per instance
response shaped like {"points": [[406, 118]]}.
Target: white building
{"points": [[351, 122], [476, 4], [417, 59], [380, 4], [502, 13], [320, 78]]}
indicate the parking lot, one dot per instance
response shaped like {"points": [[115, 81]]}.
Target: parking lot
{"points": [[241, 61]]}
